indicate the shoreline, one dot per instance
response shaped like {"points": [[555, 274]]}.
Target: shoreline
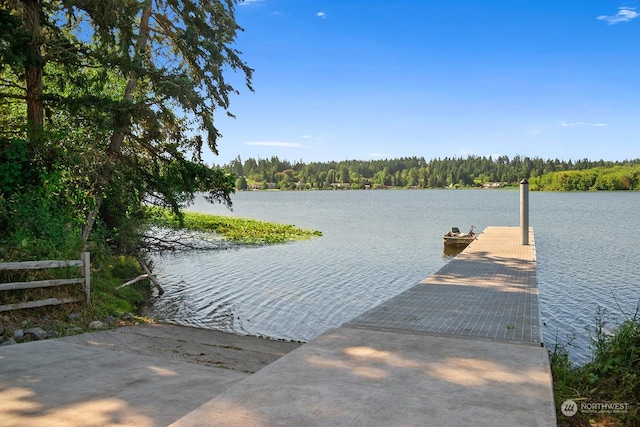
{"points": [[206, 347]]}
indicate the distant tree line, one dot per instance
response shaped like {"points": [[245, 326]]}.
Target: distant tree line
{"points": [[416, 172]]}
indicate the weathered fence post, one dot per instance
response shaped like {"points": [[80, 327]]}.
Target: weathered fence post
{"points": [[524, 212], [86, 273]]}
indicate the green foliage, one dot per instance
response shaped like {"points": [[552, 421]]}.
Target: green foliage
{"points": [[612, 374], [41, 202], [109, 273], [14, 39], [38, 230], [239, 230], [14, 165], [618, 177], [121, 96], [616, 359], [37, 235], [241, 183]]}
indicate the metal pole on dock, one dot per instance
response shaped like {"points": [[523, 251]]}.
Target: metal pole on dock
{"points": [[524, 212]]}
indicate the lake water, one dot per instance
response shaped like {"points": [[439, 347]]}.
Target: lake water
{"points": [[376, 244]]}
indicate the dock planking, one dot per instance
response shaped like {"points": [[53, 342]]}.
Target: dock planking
{"points": [[488, 291]]}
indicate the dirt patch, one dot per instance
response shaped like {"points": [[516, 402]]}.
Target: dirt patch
{"points": [[192, 345]]}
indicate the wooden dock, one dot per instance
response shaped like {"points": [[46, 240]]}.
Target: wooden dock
{"points": [[463, 347], [489, 291]]}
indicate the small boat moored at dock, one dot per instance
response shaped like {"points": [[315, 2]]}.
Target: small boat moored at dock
{"points": [[458, 239]]}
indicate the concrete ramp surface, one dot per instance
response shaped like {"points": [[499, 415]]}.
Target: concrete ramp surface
{"points": [[358, 377], [144, 375]]}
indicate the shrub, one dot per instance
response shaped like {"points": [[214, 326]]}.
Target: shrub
{"points": [[612, 375]]}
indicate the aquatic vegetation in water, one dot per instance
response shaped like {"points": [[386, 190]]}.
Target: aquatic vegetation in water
{"points": [[238, 230]]}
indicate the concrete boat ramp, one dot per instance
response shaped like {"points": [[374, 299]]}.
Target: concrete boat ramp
{"points": [[463, 347]]}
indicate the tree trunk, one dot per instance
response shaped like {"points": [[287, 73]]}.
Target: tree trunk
{"points": [[117, 137], [33, 72]]}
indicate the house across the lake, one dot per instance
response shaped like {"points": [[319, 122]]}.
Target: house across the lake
{"points": [[492, 185]]}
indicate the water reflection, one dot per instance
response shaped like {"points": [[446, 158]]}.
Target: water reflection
{"points": [[451, 251]]}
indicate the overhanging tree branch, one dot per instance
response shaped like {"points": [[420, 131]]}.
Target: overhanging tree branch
{"points": [[118, 135]]}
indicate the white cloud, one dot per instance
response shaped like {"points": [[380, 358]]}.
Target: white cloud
{"points": [[572, 124], [274, 144], [625, 14], [248, 2], [321, 15]]}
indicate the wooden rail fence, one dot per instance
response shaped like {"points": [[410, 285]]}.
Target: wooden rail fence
{"points": [[84, 263]]}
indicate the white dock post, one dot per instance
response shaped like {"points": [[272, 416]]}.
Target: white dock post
{"points": [[524, 212]]}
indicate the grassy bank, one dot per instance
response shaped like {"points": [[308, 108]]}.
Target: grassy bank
{"points": [[606, 389], [238, 230]]}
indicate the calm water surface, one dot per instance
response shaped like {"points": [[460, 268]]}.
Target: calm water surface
{"points": [[376, 244]]}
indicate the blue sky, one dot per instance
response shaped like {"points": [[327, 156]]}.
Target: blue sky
{"points": [[371, 79]]}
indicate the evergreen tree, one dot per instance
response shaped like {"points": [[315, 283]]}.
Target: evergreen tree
{"points": [[126, 83]]}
